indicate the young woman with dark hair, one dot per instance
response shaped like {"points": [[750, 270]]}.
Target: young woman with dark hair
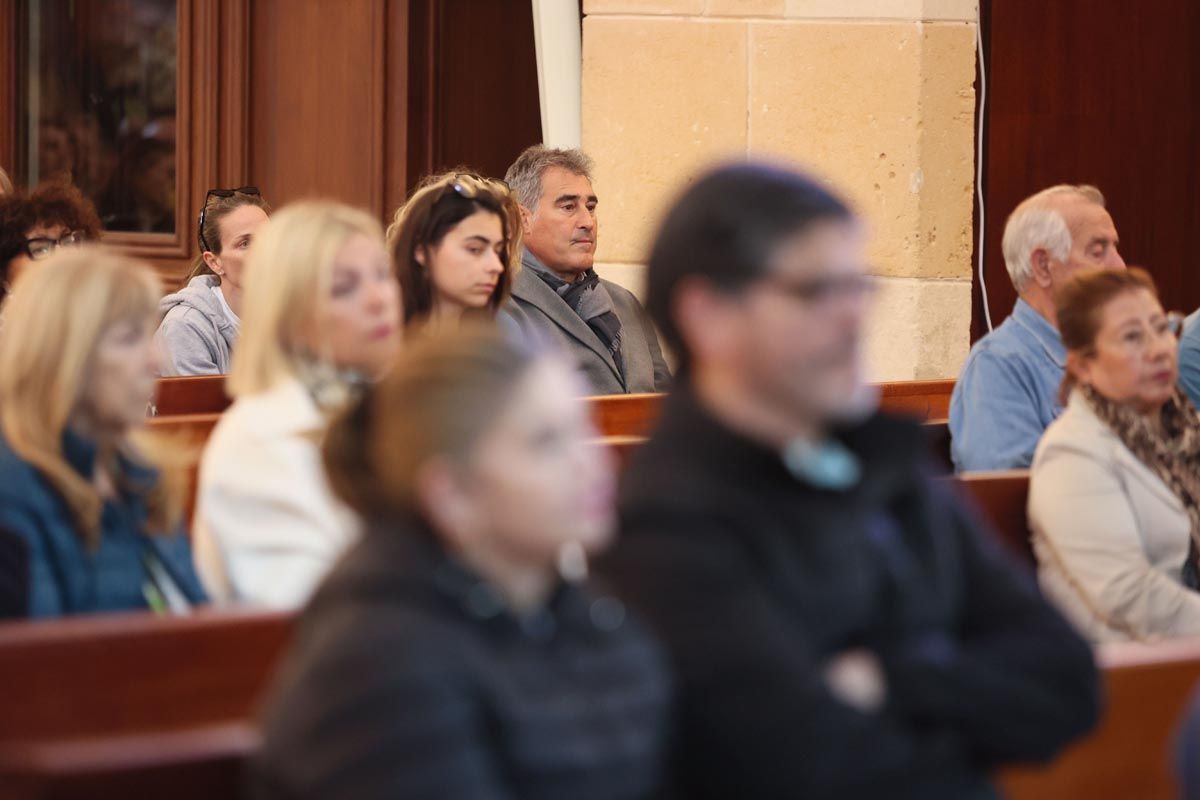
{"points": [[455, 245]]}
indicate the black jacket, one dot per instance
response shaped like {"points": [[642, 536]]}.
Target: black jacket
{"points": [[755, 579], [409, 679]]}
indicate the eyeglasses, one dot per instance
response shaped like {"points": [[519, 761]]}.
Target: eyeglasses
{"points": [[251, 191], [821, 291], [40, 247], [1136, 340], [470, 192]]}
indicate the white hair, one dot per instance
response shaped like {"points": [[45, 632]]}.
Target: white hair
{"points": [[1037, 224]]}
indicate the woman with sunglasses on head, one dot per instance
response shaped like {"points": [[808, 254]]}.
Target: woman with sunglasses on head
{"points": [[1114, 495], [34, 224], [454, 246], [201, 321], [457, 651], [98, 519], [325, 322]]}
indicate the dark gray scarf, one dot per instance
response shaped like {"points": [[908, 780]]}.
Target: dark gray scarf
{"points": [[1172, 453], [588, 298]]}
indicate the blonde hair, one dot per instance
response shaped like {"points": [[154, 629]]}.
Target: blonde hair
{"points": [[288, 274], [52, 323]]}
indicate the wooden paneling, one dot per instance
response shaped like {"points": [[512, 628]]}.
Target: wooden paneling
{"points": [[352, 100], [473, 96], [317, 84], [9, 96], [1103, 92]]}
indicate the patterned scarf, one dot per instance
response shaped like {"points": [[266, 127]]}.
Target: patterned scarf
{"points": [[1171, 452], [588, 298]]}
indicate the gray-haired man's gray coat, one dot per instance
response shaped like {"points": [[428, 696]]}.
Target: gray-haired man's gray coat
{"points": [[535, 309]]}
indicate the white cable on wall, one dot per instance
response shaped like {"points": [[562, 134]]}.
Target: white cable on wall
{"points": [[987, 311], [556, 36]]}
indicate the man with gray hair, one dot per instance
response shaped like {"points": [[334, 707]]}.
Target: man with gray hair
{"points": [[1007, 393], [557, 293]]}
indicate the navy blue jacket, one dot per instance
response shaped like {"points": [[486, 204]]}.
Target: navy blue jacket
{"points": [[64, 575], [755, 579]]}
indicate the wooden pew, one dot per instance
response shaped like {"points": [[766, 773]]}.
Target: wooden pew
{"points": [[625, 414], [184, 436], [133, 705], [1129, 756], [1002, 498], [925, 400], [615, 415], [202, 394], [191, 429]]}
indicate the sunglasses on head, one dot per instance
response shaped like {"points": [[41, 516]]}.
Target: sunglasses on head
{"points": [[251, 191]]}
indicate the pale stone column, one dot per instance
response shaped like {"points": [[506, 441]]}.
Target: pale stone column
{"points": [[875, 96]]}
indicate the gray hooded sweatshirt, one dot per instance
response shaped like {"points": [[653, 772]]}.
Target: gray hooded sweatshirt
{"points": [[196, 332]]}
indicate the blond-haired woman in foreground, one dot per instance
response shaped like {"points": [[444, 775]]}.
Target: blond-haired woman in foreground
{"points": [[99, 525], [322, 318]]}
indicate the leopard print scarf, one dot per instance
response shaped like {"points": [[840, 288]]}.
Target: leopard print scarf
{"points": [[1171, 452]]}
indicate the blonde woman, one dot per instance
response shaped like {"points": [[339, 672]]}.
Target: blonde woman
{"points": [[322, 318], [100, 527], [455, 245]]}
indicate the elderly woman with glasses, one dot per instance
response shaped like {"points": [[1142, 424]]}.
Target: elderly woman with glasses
{"points": [[34, 224], [1114, 499]]}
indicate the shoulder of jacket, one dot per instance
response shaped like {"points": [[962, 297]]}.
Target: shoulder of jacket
{"points": [[1078, 431], [281, 416], [184, 315]]}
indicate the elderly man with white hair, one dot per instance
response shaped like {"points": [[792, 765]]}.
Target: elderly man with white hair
{"points": [[1007, 393]]}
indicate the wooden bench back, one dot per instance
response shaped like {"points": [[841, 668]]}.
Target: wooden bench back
{"points": [[615, 415], [134, 705], [1129, 755], [1002, 498], [201, 394], [925, 400], [128, 673]]}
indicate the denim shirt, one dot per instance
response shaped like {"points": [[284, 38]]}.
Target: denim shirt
{"points": [[1189, 358], [1007, 394], [65, 575]]}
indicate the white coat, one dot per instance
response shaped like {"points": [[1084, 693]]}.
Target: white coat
{"points": [[1110, 537], [267, 526]]}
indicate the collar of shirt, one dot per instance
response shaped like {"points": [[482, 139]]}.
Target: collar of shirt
{"points": [[232, 317], [1038, 331]]}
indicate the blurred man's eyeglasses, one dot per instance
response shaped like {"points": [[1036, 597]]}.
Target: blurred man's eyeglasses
{"points": [[251, 191], [40, 247], [820, 291]]}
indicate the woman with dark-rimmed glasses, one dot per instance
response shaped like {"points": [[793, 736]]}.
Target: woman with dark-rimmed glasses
{"points": [[34, 224], [201, 321], [455, 245]]}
